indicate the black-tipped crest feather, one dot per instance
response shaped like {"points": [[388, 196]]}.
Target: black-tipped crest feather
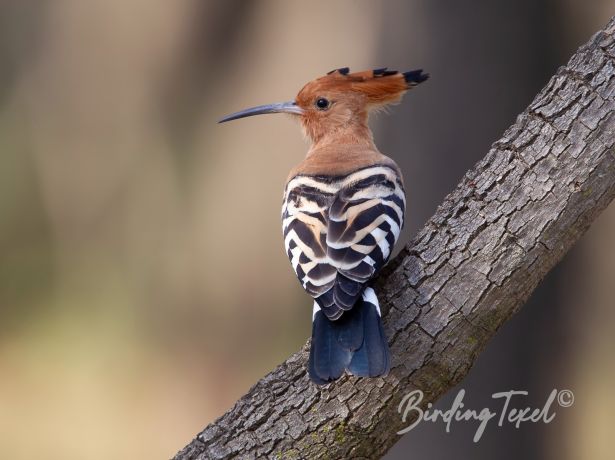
{"points": [[414, 77]]}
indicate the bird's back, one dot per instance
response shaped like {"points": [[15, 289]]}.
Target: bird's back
{"points": [[342, 213]]}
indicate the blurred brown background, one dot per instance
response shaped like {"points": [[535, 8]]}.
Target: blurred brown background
{"points": [[143, 284]]}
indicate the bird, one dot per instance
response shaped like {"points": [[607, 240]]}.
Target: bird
{"points": [[343, 209]]}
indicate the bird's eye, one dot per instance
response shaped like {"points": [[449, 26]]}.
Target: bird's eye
{"points": [[322, 103]]}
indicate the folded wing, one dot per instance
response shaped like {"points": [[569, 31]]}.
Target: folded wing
{"points": [[339, 232]]}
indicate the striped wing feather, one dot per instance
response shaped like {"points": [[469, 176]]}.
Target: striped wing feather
{"points": [[340, 231]]}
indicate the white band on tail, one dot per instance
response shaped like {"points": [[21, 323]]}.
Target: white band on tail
{"points": [[370, 296], [316, 310]]}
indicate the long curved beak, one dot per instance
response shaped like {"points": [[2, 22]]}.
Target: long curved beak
{"points": [[279, 107]]}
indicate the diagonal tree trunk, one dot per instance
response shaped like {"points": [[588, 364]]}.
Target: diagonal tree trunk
{"points": [[473, 265]]}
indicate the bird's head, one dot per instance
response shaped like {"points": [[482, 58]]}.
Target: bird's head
{"points": [[339, 102]]}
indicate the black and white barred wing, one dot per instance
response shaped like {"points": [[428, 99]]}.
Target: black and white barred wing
{"points": [[339, 232], [365, 219], [304, 222]]}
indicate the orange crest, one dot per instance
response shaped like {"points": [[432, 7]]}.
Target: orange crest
{"points": [[378, 87]]}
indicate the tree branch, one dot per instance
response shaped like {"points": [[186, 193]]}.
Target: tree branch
{"points": [[473, 265]]}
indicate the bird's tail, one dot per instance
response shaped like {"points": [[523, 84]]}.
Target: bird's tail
{"points": [[355, 342]]}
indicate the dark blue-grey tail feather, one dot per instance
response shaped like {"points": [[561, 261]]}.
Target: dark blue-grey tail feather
{"points": [[349, 329], [328, 358], [372, 359], [356, 342]]}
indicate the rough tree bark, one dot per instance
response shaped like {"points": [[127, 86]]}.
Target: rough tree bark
{"points": [[473, 265]]}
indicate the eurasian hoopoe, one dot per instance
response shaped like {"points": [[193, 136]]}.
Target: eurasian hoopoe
{"points": [[342, 212]]}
